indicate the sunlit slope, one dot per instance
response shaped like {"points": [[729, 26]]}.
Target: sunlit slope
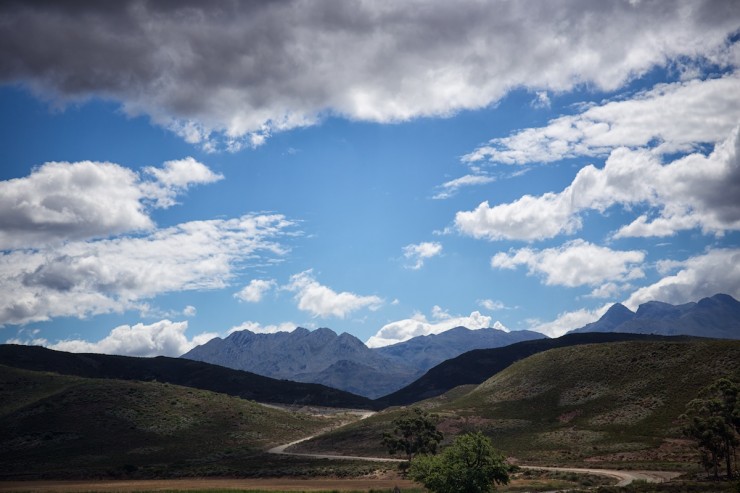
{"points": [[64, 426], [601, 404]]}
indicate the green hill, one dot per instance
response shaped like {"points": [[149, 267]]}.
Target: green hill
{"points": [[474, 367], [613, 404], [60, 426], [180, 371]]}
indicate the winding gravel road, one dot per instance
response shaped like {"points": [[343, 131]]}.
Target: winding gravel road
{"points": [[624, 477]]}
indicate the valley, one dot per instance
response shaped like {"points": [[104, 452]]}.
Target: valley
{"points": [[607, 404]]}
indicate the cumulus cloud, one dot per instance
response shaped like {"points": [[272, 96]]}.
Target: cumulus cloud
{"points": [[608, 290], [322, 301], [450, 188], [289, 63], [87, 278], [528, 218], [576, 263], [541, 100], [163, 338], [419, 325], [716, 271], [61, 201], [670, 118], [176, 177], [258, 328], [694, 191], [418, 253], [255, 290], [492, 305], [568, 321]]}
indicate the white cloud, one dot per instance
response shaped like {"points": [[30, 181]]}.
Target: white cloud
{"points": [[258, 328], [576, 263], [368, 60], [695, 191], [528, 218], [420, 252], [322, 301], [678, 116], [568, 321], [418, 325], [189, 311], [492, 305], [62, 201], [608, 290], [255, 290], [541, 100], [450, 188], [86, 278], [163, 338], [716, 271], [176, 177]]}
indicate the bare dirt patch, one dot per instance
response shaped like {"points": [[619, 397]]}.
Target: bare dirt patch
{"points": [[205, 484]]}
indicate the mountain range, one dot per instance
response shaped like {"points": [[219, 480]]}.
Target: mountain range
{"points": [[717, 317], [343, 361]]}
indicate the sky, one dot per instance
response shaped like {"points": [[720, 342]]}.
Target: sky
{"points": [[175, 171]]}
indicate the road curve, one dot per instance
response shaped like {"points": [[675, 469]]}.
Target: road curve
{"points": [[623, 477], [280, 449]]}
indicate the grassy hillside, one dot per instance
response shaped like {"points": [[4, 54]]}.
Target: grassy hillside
{"points": [[612, 404], [64, 426], [180, 372], [474, 367]]}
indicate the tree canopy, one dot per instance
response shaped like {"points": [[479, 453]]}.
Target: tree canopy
{"points": [[469, 465], [415, 432], [713, 420]]}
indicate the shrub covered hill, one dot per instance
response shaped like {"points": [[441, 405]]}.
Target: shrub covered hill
{"points": [[604, 405], [179, 371], [60, 426], [476, 366]]}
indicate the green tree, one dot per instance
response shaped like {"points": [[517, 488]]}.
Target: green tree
{"points": [[414, 432], [713, 420], [469, 465]]}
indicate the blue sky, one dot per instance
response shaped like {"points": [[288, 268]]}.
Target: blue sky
{"points": [[172, 172]]}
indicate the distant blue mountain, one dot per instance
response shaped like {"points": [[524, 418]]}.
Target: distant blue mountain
{"points": [[716, 317], [343, 361], [425, 352]]}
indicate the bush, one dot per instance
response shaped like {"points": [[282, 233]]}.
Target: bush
{"points": [[469, 465]]}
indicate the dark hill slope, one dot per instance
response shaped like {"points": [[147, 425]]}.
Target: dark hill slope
{"points": [[68, 427], [476, 366], [179, 371]]}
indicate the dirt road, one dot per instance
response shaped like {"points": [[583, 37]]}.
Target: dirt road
{"points": [[622, 476]]}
